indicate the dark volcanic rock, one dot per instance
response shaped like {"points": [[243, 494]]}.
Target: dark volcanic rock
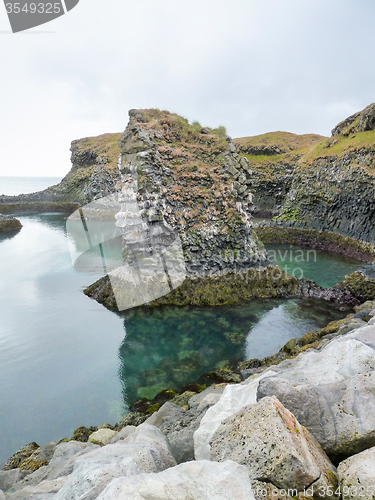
{"points": [[359, 122], [8, 223]]}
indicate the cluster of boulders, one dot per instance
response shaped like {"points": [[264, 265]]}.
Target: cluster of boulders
{"points": [[304, 428]]}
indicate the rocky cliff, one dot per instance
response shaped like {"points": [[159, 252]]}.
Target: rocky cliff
{"points": [[333, 185], [93, 175], [273, 158], [193, 177]]}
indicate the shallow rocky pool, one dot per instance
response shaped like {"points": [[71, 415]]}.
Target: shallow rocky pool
{"points": [[67, 361]]}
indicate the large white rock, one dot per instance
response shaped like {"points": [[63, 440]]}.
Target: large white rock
{"points": [[103, 436], [201, 480], [145, 450], [357, 476], [61, 464], [332, 392], [45, 489], [234, 397], [274, 447]]}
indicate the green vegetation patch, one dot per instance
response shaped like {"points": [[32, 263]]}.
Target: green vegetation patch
{"points": [[285, 141], [341, 145]]}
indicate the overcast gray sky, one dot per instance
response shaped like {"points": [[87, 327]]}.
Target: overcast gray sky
{"points": [[254, 66]]}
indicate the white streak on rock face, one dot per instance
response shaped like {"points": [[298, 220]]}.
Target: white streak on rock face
{"points": [[201, 480], [233, 399]]}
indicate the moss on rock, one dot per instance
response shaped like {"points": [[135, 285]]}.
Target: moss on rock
{"points": [[319, 240], [9, 224]]}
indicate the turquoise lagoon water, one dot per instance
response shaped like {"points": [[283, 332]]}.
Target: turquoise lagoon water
{"points": [[67, 361], [325, 268]]}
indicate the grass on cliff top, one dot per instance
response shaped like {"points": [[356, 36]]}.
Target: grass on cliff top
{"points": [[105, 144], [172, 124], [340, 145], [284, 140], [269, 165]]}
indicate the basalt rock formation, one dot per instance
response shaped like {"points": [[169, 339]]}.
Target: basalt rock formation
{"points": [[273, 158], [194, 179], [333, 185]]}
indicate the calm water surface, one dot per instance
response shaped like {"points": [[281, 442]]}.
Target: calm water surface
{"points": [[66, 361], [325, 268]]}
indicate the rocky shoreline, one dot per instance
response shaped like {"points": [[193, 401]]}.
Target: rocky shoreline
{"points": [[253, 434]]}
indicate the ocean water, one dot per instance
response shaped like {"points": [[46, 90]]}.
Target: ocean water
{"points": [[23, 185]]}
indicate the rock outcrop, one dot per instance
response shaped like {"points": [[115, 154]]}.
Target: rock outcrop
{"points": [[333, 185], [362, 121], [8, 223], [272, 159], [196, 181]]}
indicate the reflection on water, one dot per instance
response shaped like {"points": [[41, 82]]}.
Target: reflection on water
{"points": [[325, 268], [58, 349], [8, 235], [171, 347]]}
